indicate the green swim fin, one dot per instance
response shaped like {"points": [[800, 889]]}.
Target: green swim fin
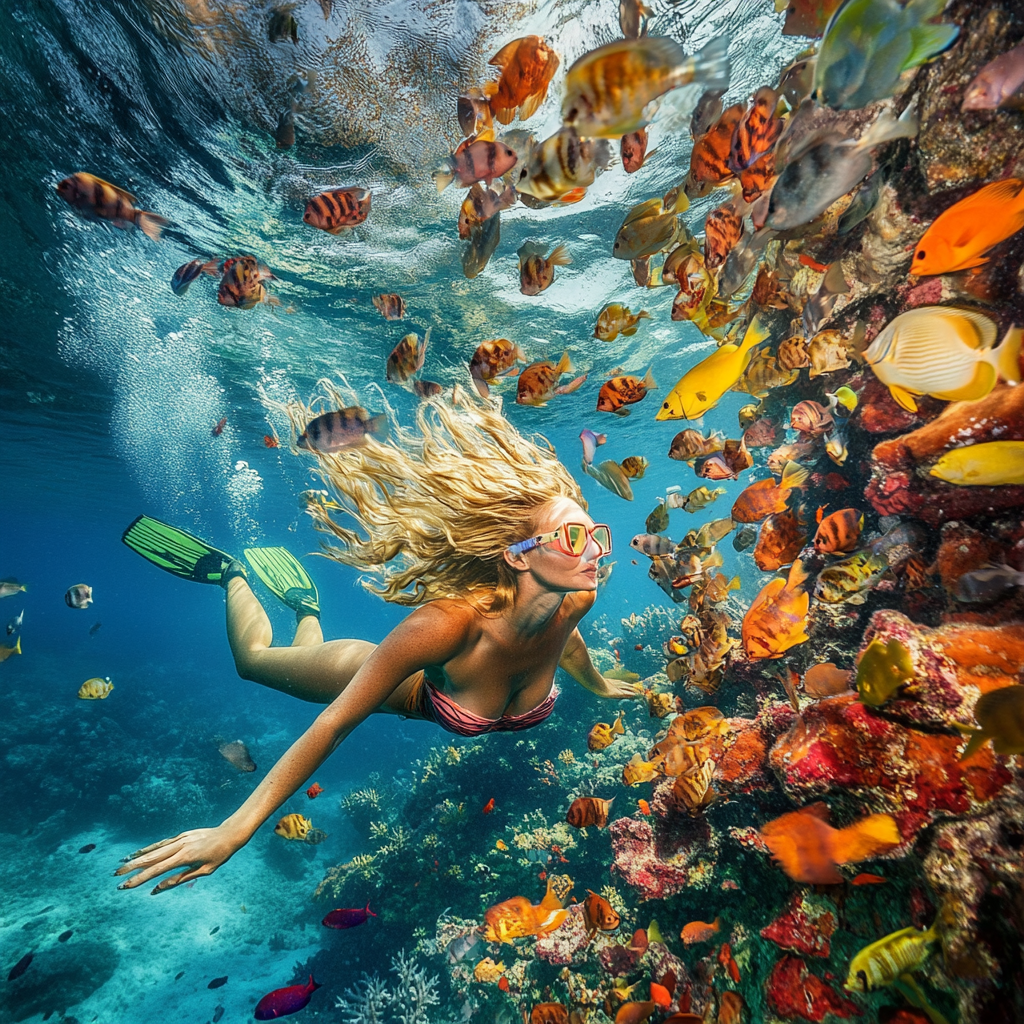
{"points": [[285, 577], [180, 553]]}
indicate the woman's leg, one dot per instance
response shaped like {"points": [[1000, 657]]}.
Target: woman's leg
{"points": [[310, 669]]}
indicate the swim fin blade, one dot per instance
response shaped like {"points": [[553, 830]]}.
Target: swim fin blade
{"points": [[285, 577], [178, 552]]}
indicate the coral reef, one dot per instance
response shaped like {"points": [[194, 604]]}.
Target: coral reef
{"points": [[795, 993], [405, 1000]]}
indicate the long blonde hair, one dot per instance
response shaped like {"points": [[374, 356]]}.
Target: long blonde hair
{"points": [[435, 509]]}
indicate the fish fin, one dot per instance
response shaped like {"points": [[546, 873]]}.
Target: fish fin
{"points": [[485, 135], [151, 224], [628, 332], [643, 315], [756, 333], [573, 385], [564, 365], [1007, 355], [711, 64], [551, 901], [887, 128], [560, 256], [621, 411], [377, 426], [734, 583], [502, 58], [17, 647], [655, 281], [977, 740], [982, 381], [528, 249], [649, 382], [793, 475], [929, 41], [866, 838], [682, 200], [531, 104], [651, 206], [617, 730], [443, 178], [482, 387], [903, 398], [797, 575]]}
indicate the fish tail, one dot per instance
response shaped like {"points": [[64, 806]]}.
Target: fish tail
{"points": [[550, 901], [560, 256], [797, 575], [887, 128], [1006, 358], [643, 315], [711, 65], [734, 583], [755, 334], [151, 224], [564, 364], [978, 737], [794, 475], [377, 427], [17, 646], [649, 382]]}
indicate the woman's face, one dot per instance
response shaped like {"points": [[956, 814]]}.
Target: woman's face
{"points": [[551, 567]]}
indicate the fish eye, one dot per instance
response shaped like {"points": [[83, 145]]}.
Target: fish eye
{"points": [[920, 254]]}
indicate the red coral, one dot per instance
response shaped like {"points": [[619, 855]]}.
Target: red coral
{"points": [[794, 992], [641, 856], [804, 927]]}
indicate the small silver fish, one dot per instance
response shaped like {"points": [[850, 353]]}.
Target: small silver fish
{"points": [[15, 624], [237, 753], [461, 945]]}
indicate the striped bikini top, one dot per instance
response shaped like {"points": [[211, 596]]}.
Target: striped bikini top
{"points": [[455, 718]]}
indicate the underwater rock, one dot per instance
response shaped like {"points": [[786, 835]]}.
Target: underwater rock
{"points": [[795, 993], [983, 656], [974, 868], [61, 977], [565, 943], [740, 767], [878, 412], [806, 926], [901, 484], [662, 863], [838, 745]]}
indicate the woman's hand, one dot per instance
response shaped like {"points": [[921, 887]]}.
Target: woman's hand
{"points": [[617, 689], [201, 851]]}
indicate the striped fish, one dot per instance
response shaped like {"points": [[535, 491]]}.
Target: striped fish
{"points": [[492, 359], [293, 827], [406, 359], [95, 197], [242, 284], [693, 790], [622, 391], [527, 67], [751, 152], [561, 163], [722, 230], [342, 428], [475, 160], [884, 961], [338, 209], [709, 161], [390, 306], [839, 532], [481, 204], [537, 272]]}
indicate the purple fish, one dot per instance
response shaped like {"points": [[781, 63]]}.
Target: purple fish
{"points": [[348, 917], [1000, 83], [284, 1001]]}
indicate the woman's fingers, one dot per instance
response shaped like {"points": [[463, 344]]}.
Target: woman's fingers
{"points": [[185, 876], [150, 848], [159, 852]]}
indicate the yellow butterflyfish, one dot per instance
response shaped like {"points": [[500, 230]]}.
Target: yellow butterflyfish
{"points": [[701, 387], [990, 464], [944, 352]]}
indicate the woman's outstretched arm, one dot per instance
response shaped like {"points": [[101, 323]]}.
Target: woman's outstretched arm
{"points": [[429, 636], [576, 661]]}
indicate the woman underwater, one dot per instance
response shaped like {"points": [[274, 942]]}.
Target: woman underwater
{"points": [[480, 528]]}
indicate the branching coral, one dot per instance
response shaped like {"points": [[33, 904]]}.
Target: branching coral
{"points": [[407, 1000]]}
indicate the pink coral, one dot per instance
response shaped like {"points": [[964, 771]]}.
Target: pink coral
{"points": [[565, 942], [794, 992], [805, 926], [662, 864]]}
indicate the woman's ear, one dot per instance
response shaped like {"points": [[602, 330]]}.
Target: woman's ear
{"points": [[517, 562]]}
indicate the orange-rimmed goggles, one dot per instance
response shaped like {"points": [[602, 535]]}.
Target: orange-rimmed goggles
{"points": [[571, 539]]}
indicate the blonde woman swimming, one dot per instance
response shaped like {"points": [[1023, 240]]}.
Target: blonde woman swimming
{"points": [[481, 529]]}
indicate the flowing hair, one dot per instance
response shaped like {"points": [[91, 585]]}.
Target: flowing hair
{"points": [[434, 509]]}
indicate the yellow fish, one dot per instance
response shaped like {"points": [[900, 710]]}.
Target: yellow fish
{"points": [[501, 845], [488, 971], [990, 464], [701, 387], [712, 532], [294, 827], [944, 352], [6, 652], [616, 319], [603, 735], [651, 227], [850, 579], [92, 689], [883, 669], [637, 770], [1000, 713], [885, 961], [634, 466]]}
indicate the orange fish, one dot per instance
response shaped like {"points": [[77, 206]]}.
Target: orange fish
{"points": [[722, 230], [270, 441], [537, 272], [516, 917], [493, 359], [808, 848], [503, 984], [709, 161], [218, 427], [527, 67], [777, 618], [622, 391], [488, 807], [839, 532], [480, 205], [730, 1008], [826, 680], [751, 153], [959, 237], [585, 811], [633, 150], [549, 1013], [700, 931], [634, 1013], [725, 958], [640, 941], [761, 499], [390, 306], [810, 417], [314, 791], [538, 383], [603, 735], [806, 260], [94, 197], [338, 209], [808, 17], [241, 286], [867, 879], [599, 913], [407, 357], [660, 996], [643, 806], [780, 539], [475, 160]]}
